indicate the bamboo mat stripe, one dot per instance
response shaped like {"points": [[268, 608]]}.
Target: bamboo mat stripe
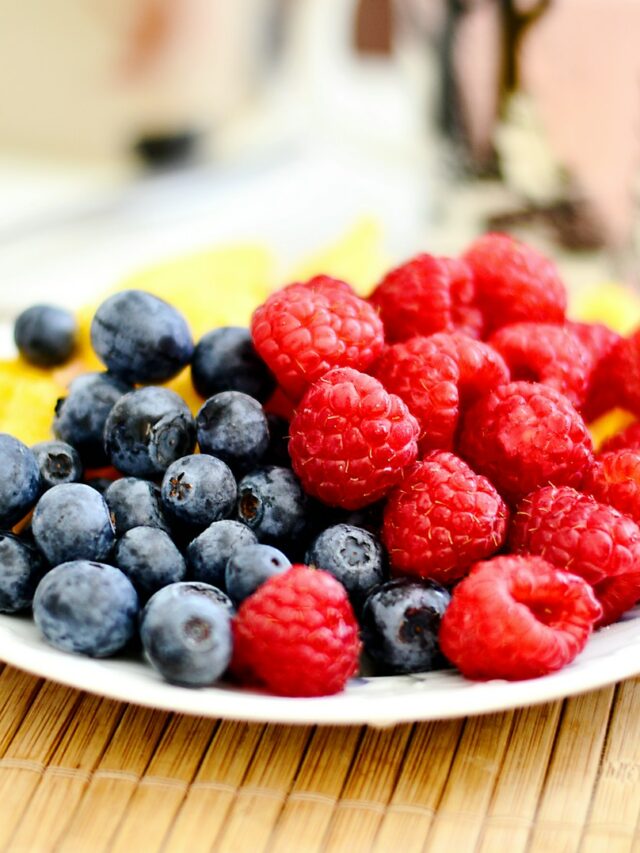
{"points": [[79, 773]]}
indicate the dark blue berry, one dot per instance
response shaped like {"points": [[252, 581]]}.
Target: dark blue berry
{"points": [[233, 427], [149, 559], [400, 623], [225, 360], [249, 567], [21, 568], [147, 430], [271, 502], [86, 607], [81, 415], [208, 553], [198, 490], [135, 503], [46, 335], [20, 480], [72, 522], [59, 463], [185, 630], [140, 337]]}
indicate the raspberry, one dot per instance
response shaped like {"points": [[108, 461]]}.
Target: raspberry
{"points": [[441, 519], [427, 295], [614, 479], [351, 440], [481, 367], [517, 617], [542, 352], [617, 595], [514, 282], [306, 329], [628, 437], [599, 341], [297, 635], [524, 435], [619, 372]]}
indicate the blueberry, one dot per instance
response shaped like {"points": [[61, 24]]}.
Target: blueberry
{"points": [[249, 567], [225, 360], [400, 623], [208, 553], [198, 490], [72, 522], [352, 555], [233, 427], [20, 571], [59, 462], [277, 452], [135, 503], [46, 335], [186, 633], [20, 481], [149, 559], [81, 415], [86, 607], [147, 430], [271, 502], [141, 338]]}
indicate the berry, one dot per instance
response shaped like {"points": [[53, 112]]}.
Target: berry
{"points": [[614, 479], [86, 607], [135, 503], [547, 353], [442, 518], [303, 331], [198, 490], [20, 481], [297, 635], [72, 522], [617, 595], [272, 504], [58, 462], [21, 569], [515, 618], [233, 427], [80, 417], [426, 295], [351, 440], [209, 552], [524, 435], [225, 360], [514, 282], [141, 338], [149, 559], [185, 630], [480, 367], [46, 335], [627, 438], [249, 567], [147, 430], [277, 452], [618, 376], [400, 624], [599, 341]]}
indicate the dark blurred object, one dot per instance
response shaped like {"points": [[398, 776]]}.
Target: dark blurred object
{"points": [[165, 150]]}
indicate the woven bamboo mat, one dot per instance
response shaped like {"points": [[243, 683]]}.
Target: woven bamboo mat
{"points": [[79, 773]]}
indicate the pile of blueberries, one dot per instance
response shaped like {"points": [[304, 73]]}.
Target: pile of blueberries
{"points": [[164, 554]]}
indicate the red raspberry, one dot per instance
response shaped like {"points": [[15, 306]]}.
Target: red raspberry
{"points": [[614, 479], [514, 282], [306, 329], [619, 372], [628, 437], [542, 352], [599, 341], [351, 440], [617, 595], [523, 436], [481, 367], [426, 295], [517, 617], [441, 519], [297, 635]]}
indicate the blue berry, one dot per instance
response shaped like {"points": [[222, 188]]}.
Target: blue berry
{"points": [[225, 360], [72, 522], [20, 571], [135, 503], [20, 482], [249, 567], [271, 502], [400, 623], [81, 415], [208, 553], [46, 335], [277, 452], [58, 462], [86, 607], [141, 338], [233, 427], [149, 559], [352, 555], [147, 430], [185, 630], [198, 490]]}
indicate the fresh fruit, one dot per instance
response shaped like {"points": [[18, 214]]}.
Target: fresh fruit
{"points": [[135, 503], [150, 560], [614, 479], [21, 568], [46, 335], [225, 360], [620, 373], [233, 426], [272, 504], [208, 553], [599, 341], [198, 490], [627, 438], [480, 367], [58, 462], [249, 567], [20, 482], [277, 452]]}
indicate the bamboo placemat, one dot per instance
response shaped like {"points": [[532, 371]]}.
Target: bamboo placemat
{"points": [[80, 773]]}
